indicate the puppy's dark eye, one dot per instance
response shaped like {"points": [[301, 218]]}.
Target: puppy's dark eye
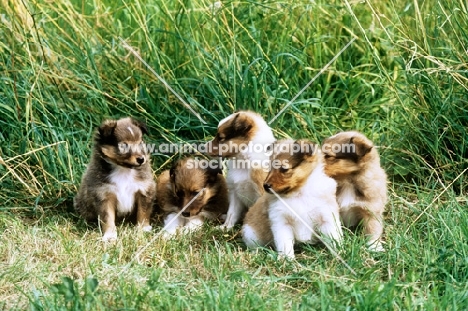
{"points": [[195, 192], [283, 170], [221, 139], [180, 193]]}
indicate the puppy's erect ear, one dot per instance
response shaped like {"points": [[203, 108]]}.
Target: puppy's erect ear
{"points": [[362, 145], [241, 125], [304, 147], [106, 129], [141, 125], [212, 172]]}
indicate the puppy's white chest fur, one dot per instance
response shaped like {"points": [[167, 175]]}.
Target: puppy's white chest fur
{"points": [[349, 203], [347, 197], [125, 186], [313, 204], [235, 174]]}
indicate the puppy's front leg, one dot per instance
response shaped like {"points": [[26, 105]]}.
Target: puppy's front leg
{"points": [[373, 229], [144, 205], [283, 236], [107, 217], [234, 211], [331, 229]]}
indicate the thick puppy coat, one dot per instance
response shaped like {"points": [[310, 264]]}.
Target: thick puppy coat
{"points": [[246, 171], [179, 186], [308, 206], [353, 161], [118, 181]]}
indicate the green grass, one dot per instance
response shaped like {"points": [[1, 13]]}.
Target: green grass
{"points": [[403, 82]]}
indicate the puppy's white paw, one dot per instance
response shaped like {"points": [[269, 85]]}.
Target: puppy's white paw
{"points": [[167, 235], [376, 246], [147, 228], [110, 236], [225, 227], [284, 256], [194, 223]]}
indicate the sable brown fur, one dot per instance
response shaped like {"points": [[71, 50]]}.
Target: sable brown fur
{"points": [[182, 183], [362, 183], [118, 181], [257, 218]]}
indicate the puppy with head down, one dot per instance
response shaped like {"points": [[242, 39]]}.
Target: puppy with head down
{"points": [[118, 181], [196, 186], [353, 161]]}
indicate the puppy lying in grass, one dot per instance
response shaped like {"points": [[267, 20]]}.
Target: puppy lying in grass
{"points": [[118, 181], [352, 160], [202, 191], [300, 203], [246, 166]]}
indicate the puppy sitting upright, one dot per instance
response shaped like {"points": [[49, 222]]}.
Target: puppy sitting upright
{"points": [[187, 182], [118, 181], [243, 138], [300, 202], [352, 160]]}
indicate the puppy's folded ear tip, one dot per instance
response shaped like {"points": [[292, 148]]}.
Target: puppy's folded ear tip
{"points": [[306, 147], [362, 143], [107, 127], [142, 125], [108, 124]]}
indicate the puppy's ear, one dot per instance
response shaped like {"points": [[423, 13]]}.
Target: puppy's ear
{"points": [[106, 130], [141, 125], [212, 172], [305, 148], [361, 144], [241, 124]]}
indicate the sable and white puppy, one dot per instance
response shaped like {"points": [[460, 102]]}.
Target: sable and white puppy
{"points": [[242, 138], [180, 185], [353, 161], [300, 201], [118, 181]]}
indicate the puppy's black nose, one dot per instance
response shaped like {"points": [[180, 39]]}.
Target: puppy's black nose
{"points": [[140, 160], [267, 187], [186, 214]]}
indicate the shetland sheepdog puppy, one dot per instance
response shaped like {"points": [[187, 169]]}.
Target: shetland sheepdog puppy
{"points": [[192, 184], [353, 161], [242, 138], [299, 204], [118, 181]]}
